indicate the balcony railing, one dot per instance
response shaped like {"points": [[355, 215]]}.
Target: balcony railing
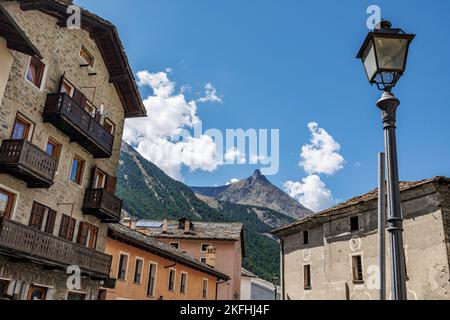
{"points": [[24, 242], [27, 162], [102, 204], [74, 121]]}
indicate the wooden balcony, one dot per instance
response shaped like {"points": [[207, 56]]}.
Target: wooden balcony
{"points": [[24, 243], [66, 115], [27, 162], [103, 205]]}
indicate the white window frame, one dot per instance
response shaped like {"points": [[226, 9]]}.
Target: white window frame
{"points": [[203, 288], [174, 290], [152, 295], [201, 246], [186, 284], [142, 270], [352, 256], [121, 253]]}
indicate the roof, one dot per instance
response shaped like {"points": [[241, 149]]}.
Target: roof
{"points": [[200, 230], [106, 36], [137, 239], [16, 39], [248, 274], [372, 195]]}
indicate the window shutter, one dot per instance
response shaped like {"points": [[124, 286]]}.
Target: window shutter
{"points": [[83, 230], [93, 237], [37, 216], [64, 226], [111, 183], [71, 229], [79, 98], [51, 219]]}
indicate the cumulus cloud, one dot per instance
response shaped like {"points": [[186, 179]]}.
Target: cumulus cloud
{"points": [[170, 114], [234, 180], [210, 95], [311, 192], [321, 156]]}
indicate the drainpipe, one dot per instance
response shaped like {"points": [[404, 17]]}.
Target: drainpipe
{"points": [[282, 262]]}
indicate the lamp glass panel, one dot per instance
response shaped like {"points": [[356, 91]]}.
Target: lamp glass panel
{"points": [[369, 60], [391, 53]]}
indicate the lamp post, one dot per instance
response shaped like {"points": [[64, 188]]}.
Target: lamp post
{"points": [[384, 54], [276, 283]]}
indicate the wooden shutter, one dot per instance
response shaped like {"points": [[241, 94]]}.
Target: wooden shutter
{"points": [[71, 229], [37, 215], [51, 219], [79, 98], [93, 233], [111, 183], [64, 226], [83, 230]]}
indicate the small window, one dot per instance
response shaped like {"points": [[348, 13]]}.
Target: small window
{"points": [[357, 267], [307, 277], [86, 57], [67, 88], [87, 235], [67, 228], [205, 289], [205, 247], [109, 126], [76, 173], [183, 283], [7, 200], [172, 274], [3, 289], [42, 218], [23, 128], [35, 72], [53, 148], [99, 179], [354, 224], [176, 245], [123, 264], [151, 280], [138, 271], [75, 296], [305, 237], [37, 293], [203, 260]]}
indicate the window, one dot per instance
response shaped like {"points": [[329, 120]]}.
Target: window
{"points": [[3, 289], [205, 289], [203, 260], [109, 126], [37, 293], [87, 235], [75, 296], [307, 277], [357, 270], [172, 275], [76, 173], [151, 280], [176, 245], [305, 237], [35, 72], [354, 224], [67, 88], [53, 148], [87, 57], [138, 271], [123, 265], [42, 218], [90, 108], [183, 283], [7, 200], [99, 179], [205, 247], [67, 228], [22, 129]]}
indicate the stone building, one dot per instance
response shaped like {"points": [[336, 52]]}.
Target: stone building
{"points": [[333, 255], [62, 117], [220, 245], [257, 289], [148, 269]]}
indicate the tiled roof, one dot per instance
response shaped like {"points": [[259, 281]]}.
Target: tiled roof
{"points": [[372, 195], [246, 273], [157, 247], [200, 230]]}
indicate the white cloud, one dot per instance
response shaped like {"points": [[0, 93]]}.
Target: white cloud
{"points": [[210, 95], [234, 180], [233, 155], [169, 115], [311, 192], [321, 156]]}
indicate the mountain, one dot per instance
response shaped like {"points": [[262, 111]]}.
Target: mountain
{"points": [[256, 191], [148, 193]]}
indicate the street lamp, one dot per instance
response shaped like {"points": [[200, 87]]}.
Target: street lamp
{"points": [[384, 54], [276, 283]]}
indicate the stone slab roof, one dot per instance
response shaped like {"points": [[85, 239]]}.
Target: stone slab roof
{"points": [[140, 240], [372, 195]]}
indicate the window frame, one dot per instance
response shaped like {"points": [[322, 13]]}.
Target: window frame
{"points": [[171, 287], [48, 215], [24, 120], [351, 222], [357, 274], [120, 264], [11, 202], [204, 244], [84, 49], [172, 244], [57, 146], [68, 231], [42, 76], [183, 292], [79, 175], [307, 277], [152, 294], [6, 284], [141, 272], [111, 124], [205, 289], [306, 237]]}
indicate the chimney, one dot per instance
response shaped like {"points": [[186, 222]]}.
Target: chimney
{"points": [[187, 227], [165, 226], [211, 256], [129, 222]]}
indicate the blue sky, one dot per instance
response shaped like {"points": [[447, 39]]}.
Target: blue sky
{"points": [[283, 64]]}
